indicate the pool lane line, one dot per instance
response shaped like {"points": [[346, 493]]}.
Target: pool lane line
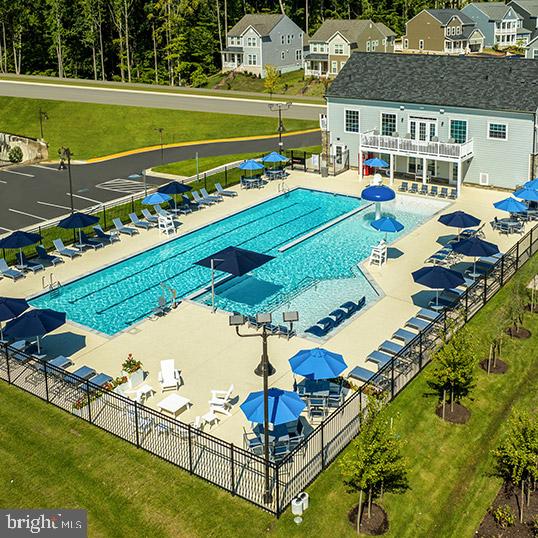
{"points": [[132, 275]]}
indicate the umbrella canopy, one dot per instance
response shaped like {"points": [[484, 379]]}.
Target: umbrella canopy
{"points": [[317, 363], [78, 220], [532, 184], [376, 163], [11, 308], [284, 406], [251, 165], [274, 157], [235, 261], [19, 239], [531, 195], [156, 198], [438, 278], [459, 219], [378, 193], [174, 187], [474, 246], [511, 205], [387, 224]]}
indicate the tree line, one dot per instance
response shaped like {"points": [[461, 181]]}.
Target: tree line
{"points": [[156, 41]]}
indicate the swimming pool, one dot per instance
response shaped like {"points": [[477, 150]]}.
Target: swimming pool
{"points": [[314, 276]]}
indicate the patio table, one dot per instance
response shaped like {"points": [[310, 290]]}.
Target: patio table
{"points": [[173, 404]]}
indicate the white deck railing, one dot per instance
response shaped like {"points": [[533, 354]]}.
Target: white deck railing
{"points": [[420, 148]]}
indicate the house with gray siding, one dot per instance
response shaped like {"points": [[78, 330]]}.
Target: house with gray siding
{"points": [[531, 50], [528, 10], [501, 25], [259, 40], [473, 120]]}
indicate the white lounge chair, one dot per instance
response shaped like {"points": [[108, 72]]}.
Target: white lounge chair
{"points": [[216, 197], [201, 201], [149, 217], [122, 228], [220, 401], [14, 274], [140, 223], [169, 375], [63, 250], [224, 192]]}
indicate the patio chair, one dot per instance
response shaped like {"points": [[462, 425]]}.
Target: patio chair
{"points": [[103, 236], [404, 335], [63, 250], [201, 201], [169, 375], [404, 187], [149, 217], [390, 347], [217, 197], [423, 189], [45, 257], [434, 190], [351, 308], [414, 188], [453, 194], [316, 330], [417, 323], [100, 380], [182, 209], [220, 401], [90, 242], [427, 314], [443, 193], [339, 315], [31, 265], [361, 374], [8, 272], [122, 229], [224, 192], [379, 358], [145, 225]]}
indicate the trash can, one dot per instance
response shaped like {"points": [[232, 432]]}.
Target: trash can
{"points": [[304, 499], [297, 506]]}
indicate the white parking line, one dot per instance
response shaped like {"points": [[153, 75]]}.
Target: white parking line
{"points": [[6, 229], [50, 168], [2, 181], [84, 198], [55, 205], [27, 214], [18, 173]]}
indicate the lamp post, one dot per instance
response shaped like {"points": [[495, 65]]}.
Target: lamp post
{"points": [[65, 154], [137, 176], [264, 369], [279, 107], [161, 130], [42, 116]]}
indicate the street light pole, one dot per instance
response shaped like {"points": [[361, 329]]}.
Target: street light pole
{"points": [[42, 116], [161, 129], [65, 153], [279, 107]]}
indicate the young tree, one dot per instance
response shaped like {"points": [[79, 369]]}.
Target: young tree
{"points": [[453, 373], [514, 311], [272, 80], [517, 455]]}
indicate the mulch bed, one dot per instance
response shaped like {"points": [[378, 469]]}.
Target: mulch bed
{"points": [[499, 368], [508, 495], [460, 414], [377, 524], [521, 333]]}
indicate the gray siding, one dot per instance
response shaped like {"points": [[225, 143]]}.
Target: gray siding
{"points": [[531, 52], [482, 22], [507, 162], [273, 48]]}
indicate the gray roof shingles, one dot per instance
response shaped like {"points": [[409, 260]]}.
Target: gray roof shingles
{"points": [[444, 16], [350, 29], [494, 10], [466, 82], [262, 23], [531, 6]]}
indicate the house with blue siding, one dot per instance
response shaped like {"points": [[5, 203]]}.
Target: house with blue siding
{"points": [[259, 40], [473, 119], [501, 24]]}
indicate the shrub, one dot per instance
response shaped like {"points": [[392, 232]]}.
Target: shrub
{"points": [[534, 526], [504, 516], [15, 154]]}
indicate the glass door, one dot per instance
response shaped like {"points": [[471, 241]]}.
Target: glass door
{"points": [[422, 129]]}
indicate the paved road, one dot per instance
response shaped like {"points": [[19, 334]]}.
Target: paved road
{"points": [[115, 96], [32, 194]]}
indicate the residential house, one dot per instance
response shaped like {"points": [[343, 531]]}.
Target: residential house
{"points": [[446, 119], [528, 10], [531, 49], [259, 40], [442, 31], [334, 41], [501, 25]]}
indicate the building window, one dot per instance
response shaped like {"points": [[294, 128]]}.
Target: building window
{"points": [[252, 42], [421, 44], [342, 64], [384, 42], [339, 48], [406, 44], [334, 67], [283, 55], [388, 123], [498, 131], [352, 121], [252, 59], [458, 30], [458, 131], [535, 54], [314, 47], [298, 55], [368, 46], [282, 39], [289, 39]]}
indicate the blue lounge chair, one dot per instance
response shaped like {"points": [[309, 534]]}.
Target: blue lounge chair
{"points": [[322, 327], [149, 217], [145, 225], [404, 187], [434, 191], [182, 209], [423, 189], [417, 323], [90, 242], [453, 194], [426, 313], [224, 192], [413, 189], [339, 315], [444, 192], [217, 197], [30, 265], [351, 308], [83, 373], [103, 236], [404, 335], [379, 358], [327, 323], [201, 201], [390, 347], [100, 380], [63, 250], [45, 257], [7, 271], [361, 374], [316, 330], [122, 229]]}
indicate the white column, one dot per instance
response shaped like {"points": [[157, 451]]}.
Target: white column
{"points": [[391, 169], [424, 170], [360, 159], [458, 186]]}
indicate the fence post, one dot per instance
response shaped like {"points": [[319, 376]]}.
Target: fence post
{"points": [[136, 425], [485, 287], [89, 401], [205, 180], [104, 216], [225, 176], [392, 378], [322, 444], [189, 431], [46, 381], [517, 255], [502, 271], [292, 164], [530, 243], [466, 305], [7, 363], [420, 350], [132, 204], [304, 162], [232, 469]]}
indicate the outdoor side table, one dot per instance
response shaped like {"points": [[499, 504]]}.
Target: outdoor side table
{"points": [[173, 404]]}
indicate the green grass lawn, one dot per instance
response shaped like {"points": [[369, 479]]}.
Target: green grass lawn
{"points": [[93, 130], [51, 459]]}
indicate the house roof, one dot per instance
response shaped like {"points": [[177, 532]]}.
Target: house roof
{"points": [[444, 16], [262, 23], [490, 83], [530, 6], [350, 29], [385, 30], [494, 10]]}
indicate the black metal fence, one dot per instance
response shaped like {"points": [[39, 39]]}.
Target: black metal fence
{"points": [[224, 464]]}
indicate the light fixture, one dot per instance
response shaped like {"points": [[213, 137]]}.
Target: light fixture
{"points": [[402, 107], [236, 320], [264, 318], [290, 317], [441, 111]]}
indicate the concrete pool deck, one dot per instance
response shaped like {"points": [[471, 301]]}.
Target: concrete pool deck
{"points": [[207, 351]]}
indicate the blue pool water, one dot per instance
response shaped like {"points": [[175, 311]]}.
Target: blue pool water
{"points": [[315, 276]]}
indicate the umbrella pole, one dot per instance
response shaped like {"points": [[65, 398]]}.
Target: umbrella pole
{"points": [[437, 298], [20, 256], [80, 236], [38, 346]]}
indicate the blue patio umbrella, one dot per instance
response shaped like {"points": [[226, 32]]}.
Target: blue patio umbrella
{"points": [[476, 247], [510, 205], [378, 194], [174, 187], [438, 278], [10, 308], [78, 221], [233, 260], [20, 239], [376, 162], [156, 198], [251, 165], [387, 225], [274, 157], [459, 219], [284, 406], [35, 323], [528, 194], [317, 363], [532, 184]]}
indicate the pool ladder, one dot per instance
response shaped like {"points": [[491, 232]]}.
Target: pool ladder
{"points": [[53, 285], [282, 187]]}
